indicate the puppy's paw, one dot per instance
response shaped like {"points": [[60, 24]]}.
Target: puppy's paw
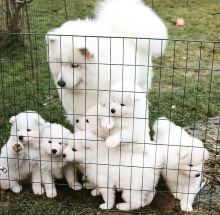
{"points": [[95, 192], [112, 142], [51, 193], [75, 185], [17, 147], [38, 189], [124, 206], [16, 188], [105, 206], [187, 207]]}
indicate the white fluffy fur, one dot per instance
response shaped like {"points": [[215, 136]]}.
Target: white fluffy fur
{"points": [[135, 174], [23, 145], [184, 156], [12, 162], [129, 109], [27, 127], [97, 121], [51, 164], [132, 18], [97, 62]]}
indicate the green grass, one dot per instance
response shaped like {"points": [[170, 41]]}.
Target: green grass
{"points": [[186, 86]]}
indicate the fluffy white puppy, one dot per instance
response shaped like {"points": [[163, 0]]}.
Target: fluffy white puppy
{"points": [[12, 160], [135, 174], [84, 60], [51, 164], [183, 156], [97, 121], [27, 127], [132, 18], [129, 109]]}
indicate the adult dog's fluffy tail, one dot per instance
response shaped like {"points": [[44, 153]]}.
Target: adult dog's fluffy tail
{"points": [[132, 18]]}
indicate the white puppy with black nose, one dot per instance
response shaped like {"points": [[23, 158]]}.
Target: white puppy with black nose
{"points": [[21, 153], [51, 164], [184, 156], [129, 110], [135, 174], [27, 127]]}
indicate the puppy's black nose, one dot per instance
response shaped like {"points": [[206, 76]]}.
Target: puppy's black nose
{"points": [[20, 137], [197, 174], [77, 121], [61, 83], [64, 155], [74, 150], [112, 110], [54, 151]]}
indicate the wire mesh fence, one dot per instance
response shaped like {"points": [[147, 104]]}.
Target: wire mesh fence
{"points": [[96, 121], [184, 89]]}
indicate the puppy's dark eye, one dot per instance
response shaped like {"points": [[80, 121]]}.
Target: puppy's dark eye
{"points": [[87, 120], [75, 65], [49, 141], [28, 129], [190, 165], [74, 150], [60, 143], [77, 121], [122, 104], [18, 130]]}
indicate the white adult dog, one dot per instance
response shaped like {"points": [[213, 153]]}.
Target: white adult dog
{"points": [[82, 65], [135, 174], [84, 60], [51, 165], [183, 156], [12, 169]]}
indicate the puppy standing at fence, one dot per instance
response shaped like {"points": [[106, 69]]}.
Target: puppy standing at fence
{"points": [[83, 64], [183, 157], [51, 164], [23, 144], [123, 118], [135, 174]]}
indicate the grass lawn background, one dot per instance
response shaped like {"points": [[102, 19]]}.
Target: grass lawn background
{"points": [[186, 85]]}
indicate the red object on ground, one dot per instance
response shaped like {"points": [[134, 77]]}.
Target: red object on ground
{"points": [[180, 22]]}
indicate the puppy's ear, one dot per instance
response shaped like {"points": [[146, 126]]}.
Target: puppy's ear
{"points": [[12, 119], [206, 154], [85, 53]]}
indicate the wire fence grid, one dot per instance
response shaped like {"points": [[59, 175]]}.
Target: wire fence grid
{"points": [[185, 89]]}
